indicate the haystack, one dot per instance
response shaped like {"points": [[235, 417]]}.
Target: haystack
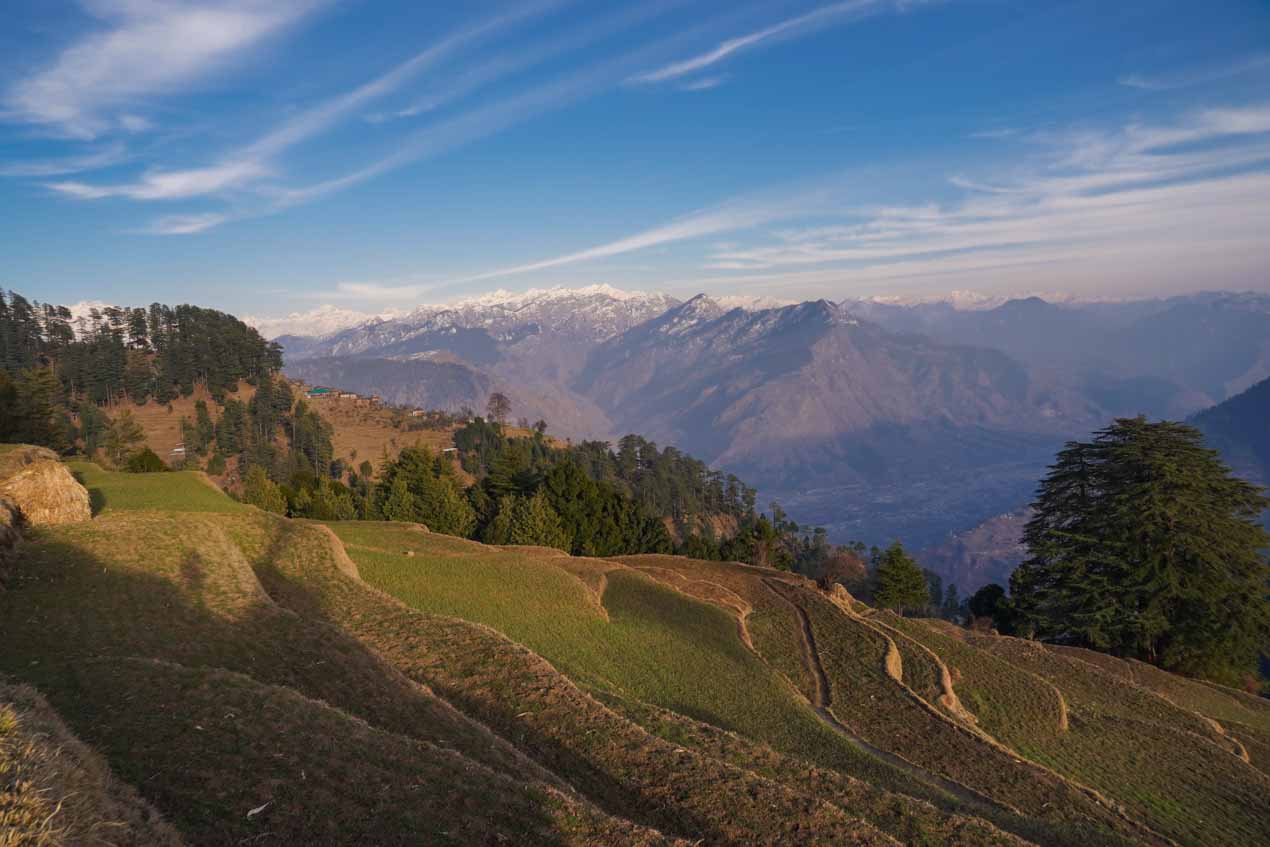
{"points": [[47, 494]]}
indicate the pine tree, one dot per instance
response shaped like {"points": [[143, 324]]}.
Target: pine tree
{"points": [[332, 502], [259, 490], [40, 415], [145, 461], [438, 502], [123, 437], [1144, 544], [9, 419], [443, 509], [536, 523], [400, 504], [231, 429], [499, 407], [990, 603], [900, 582], [205, 430], [93, 425], [527, 521], [499, 529]]}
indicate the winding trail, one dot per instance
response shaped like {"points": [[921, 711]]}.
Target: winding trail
{"points": [[822, 702]]}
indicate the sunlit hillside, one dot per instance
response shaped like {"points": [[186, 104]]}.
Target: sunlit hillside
{"points": [[239, 669]]}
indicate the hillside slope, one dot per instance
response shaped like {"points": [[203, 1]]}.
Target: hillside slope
{"points": [[1240, 429], [819, 408], [55, 791], [241, 669]]}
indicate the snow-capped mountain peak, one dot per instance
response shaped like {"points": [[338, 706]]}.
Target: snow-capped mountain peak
{"points": [[319, 322], [511, 299]]}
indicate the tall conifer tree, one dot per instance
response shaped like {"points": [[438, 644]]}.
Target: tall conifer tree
{"points": [[1144, 544]]}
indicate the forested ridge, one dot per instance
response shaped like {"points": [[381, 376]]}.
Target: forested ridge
{"points": [[135, 353], [57, 371]]}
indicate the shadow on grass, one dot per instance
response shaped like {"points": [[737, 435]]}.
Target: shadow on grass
{"points": [[96, 496], [439, 665], [136, 663]]}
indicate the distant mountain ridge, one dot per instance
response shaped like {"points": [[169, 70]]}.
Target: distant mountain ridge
{"points": [[594, 311], [1240, 429], [1164, 357], [829, 413], [877, 419], [527, 346]]}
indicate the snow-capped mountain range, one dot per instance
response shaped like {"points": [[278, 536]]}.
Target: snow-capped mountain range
{"points": [[602, 309], [317, 323], [594, 309]]}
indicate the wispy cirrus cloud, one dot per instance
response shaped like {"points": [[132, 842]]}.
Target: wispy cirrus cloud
{"points": [[487, 119], [1168, 80], [254, 167], [732, 216], [995, 134], [147, 48], [1128, 200], [183, 224], [254, 162], [506, 63], [705, 83], [315, 120], [1134, 201], [789, 28], [377, 292], [110, 155], [170, 185]]}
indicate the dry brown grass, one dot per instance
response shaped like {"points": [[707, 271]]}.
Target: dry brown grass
{"points": [[161, 422], [912, 821], [55, 791], [14, 457], [224, 662], [316, 774], [362, 433]]}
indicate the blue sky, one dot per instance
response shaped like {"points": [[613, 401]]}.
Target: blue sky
{"points": [[267, 156]]}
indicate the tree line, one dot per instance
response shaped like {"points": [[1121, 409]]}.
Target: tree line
{"points": [[528, 491]]}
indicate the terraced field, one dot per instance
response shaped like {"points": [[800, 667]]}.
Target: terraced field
{"points": [[184, 491], [239, 670], [1205, 790], [1092, 750], [642, 640]]}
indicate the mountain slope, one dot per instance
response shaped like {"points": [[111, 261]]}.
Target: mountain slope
{"points": [[981, 555], [1240, 429], [807, 400], [527, 346]]}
